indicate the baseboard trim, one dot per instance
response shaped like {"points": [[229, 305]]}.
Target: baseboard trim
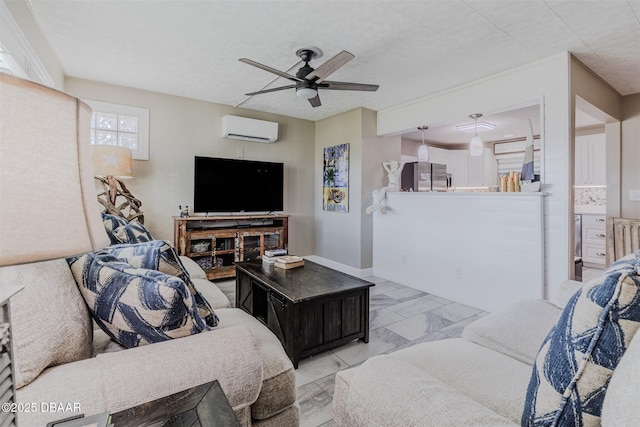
{"points": [[353, 271]]}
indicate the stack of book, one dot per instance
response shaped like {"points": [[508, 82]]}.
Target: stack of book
{"points": [[272, 255], [275, 252], [289, 261]]}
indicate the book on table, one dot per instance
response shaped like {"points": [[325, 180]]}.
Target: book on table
{"points": [[275, 252], [271, 259], [289, 261]]}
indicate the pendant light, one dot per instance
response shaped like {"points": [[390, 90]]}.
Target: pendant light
{"points": [[475, 146], [423, 151]]}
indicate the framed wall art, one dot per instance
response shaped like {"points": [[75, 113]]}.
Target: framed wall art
{"points": [[335, 178]]}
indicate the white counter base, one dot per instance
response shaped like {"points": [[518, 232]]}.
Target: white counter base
{"points": [[481, 249]]}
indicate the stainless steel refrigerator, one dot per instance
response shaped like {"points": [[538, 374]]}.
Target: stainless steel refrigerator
{"points": [[422, 176]]}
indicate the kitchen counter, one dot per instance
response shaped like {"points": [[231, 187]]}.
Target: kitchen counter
{"points": [[480, 194]]}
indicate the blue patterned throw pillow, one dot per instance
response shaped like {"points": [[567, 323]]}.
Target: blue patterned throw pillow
{"points": [[161, 255], [578, 357], [121, 231], [135, 306]]}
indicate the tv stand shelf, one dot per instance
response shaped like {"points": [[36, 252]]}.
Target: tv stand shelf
{"points": [[216, 242]]}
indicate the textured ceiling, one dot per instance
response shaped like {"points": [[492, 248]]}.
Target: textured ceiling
{"points": [[410, 48]]}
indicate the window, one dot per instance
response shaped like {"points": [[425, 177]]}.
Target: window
{"points": [[114, 124]]}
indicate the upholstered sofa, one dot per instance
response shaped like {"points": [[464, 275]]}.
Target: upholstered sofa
{"points": [[480, 379], [59, 358]]}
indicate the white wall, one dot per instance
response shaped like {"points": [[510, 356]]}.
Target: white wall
{"points": [[337, 233], [547, 81], [630, 154], [346, 237], [181, 128], [484, 250], [375, 150], [20, 34]]}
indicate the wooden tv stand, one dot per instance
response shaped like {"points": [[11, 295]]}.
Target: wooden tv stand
{"points": [[228, 239]]}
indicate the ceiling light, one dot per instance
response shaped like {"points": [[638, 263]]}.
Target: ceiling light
{"points": [[475, 146], [306, 93], [475, 126], [423, 151]]}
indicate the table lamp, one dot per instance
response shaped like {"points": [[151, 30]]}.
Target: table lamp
{"points": [[112, 163], [48, 206]]}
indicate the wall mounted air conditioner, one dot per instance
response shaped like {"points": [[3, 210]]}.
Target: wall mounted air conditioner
{"points": [[234, 127]]}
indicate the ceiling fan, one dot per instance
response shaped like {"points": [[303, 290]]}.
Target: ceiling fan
{"points": [[308, 80]]}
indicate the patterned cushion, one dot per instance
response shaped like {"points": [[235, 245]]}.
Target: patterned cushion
{"points": [[578, 357], [135, 306], [120, 231], [161, 255]]}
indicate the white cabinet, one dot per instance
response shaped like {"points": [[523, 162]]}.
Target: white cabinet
{"points": [[457, 166], [439, 155], [475, 177], [472, 171], [593, 240], [490, 168], [590, 158]]}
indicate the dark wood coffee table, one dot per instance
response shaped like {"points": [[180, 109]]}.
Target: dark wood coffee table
{"points": [[310, 309]]}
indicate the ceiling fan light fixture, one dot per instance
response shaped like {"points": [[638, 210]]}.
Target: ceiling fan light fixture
{"points": [[307, 79], [306, 92]]}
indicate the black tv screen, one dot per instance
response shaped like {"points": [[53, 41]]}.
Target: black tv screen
{"points": [[231, 185]]}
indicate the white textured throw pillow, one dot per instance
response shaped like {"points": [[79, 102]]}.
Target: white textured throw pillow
{"points": [[50, 323]]}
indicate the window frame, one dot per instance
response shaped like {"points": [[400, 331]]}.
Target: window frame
{"points": [[142, 150]]}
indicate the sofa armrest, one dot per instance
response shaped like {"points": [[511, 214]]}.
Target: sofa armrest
{"points": [[212, 293], [385, 391], [116, 381], [566, 290], [194, 270], [516, 330]]}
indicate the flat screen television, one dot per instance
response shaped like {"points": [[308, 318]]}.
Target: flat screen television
{"points": [[232, 185]]}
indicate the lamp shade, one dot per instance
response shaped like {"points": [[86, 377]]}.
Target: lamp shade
{"points": [[423, 153], [475, 146], [112, 160], [48, 203]]}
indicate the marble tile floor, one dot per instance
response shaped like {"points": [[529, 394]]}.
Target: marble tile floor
{"points": [[399, 317]]}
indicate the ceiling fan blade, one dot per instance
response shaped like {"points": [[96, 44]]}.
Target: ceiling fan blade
{"points": [[269, 69], [326, 69], [348, 86], [315, 101], [270, 90]]}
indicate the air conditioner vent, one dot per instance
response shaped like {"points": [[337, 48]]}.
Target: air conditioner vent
{"points": [[234, 127]]}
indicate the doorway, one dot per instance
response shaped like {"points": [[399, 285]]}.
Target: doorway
{"points": [[594, 187]]}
